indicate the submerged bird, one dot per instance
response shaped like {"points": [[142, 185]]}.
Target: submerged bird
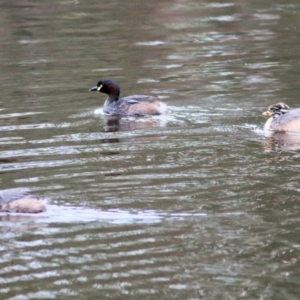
{"points": [[282, 118], [19, 200], [136, 105]]}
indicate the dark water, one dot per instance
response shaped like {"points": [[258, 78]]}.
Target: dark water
{"points": [[200, 204]]}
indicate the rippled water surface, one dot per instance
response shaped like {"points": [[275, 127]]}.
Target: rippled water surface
{"points": [[199, 204]]}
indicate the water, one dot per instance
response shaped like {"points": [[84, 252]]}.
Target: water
{"points": [[199, 204]]}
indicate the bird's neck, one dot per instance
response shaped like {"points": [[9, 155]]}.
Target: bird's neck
{"points": [[113, 97]]}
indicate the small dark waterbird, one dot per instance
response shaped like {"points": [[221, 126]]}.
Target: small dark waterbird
{"points": [[135, 105]]}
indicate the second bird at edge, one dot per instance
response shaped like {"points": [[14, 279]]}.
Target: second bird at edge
{"points": [[282, 118]]}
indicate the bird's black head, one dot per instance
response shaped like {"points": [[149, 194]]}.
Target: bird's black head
{"points": [[108, 87]]}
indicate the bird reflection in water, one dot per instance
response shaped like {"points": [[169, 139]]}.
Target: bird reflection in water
{"points": [[115, 123], [280, 141]]}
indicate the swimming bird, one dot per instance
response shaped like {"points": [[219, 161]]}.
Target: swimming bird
{"points": [[19, 200], [135, 105], [282, 118]]}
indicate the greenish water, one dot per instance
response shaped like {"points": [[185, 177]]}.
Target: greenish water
{"points": [[199, 204]]}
